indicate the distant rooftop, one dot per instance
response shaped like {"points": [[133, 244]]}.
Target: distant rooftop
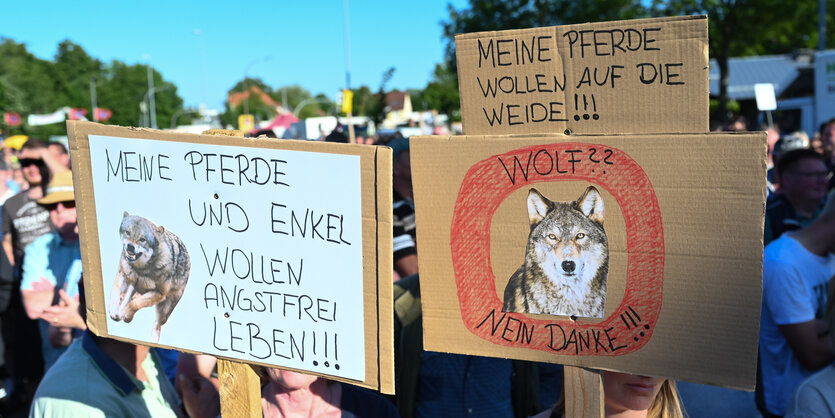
{"points": [[780, 70]]}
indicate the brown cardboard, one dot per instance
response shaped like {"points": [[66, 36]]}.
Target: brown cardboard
{"points": [[375, 228], [684, 221], [636, 76]]}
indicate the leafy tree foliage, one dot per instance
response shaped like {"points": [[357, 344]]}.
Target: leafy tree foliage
{"points": [[442, 94], [751, 27], [29, 85]]}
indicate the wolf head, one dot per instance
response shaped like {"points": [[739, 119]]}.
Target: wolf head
{"points": [[567, 241], [139, 239]]}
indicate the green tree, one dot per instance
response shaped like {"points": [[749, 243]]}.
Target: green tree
{"points": [[29, 85], [750, 27], [72, 71], [126, 86], [441, 93], [366, 101], [260, 110]]}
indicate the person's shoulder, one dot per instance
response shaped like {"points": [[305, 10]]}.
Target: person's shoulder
{"points": [[61, 387], [41, 242], [812, 397], [784, 248]]}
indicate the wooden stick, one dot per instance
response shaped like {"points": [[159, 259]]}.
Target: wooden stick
{"points": [[583, 392], [240, 390], [240, 387]]}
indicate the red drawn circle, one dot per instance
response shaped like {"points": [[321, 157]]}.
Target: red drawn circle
{"points": [[487, 184]]}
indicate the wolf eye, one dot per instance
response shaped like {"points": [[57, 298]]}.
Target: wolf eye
{"points": [[581, 235], [142, 240], [552, 236]]}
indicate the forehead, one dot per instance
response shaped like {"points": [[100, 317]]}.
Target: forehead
{"points": [[29, 153], [810, 164]]}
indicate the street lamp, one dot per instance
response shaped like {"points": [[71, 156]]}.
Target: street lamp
{"points": [[246, 80], [199, 33]]}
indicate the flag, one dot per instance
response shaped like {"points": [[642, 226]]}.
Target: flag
{"points": [[347, 100], [55, 117], [12, 119], [102, 114], [77, 114]]}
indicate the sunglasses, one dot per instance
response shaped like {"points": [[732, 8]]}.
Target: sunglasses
{"points": [[26, 162], [67, 205]]}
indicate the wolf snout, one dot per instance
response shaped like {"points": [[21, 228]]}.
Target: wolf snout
{"points": [[131, 248], [568, 266]]}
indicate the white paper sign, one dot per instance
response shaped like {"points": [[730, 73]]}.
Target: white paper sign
{"points": [[764, 94], [272, 240]]}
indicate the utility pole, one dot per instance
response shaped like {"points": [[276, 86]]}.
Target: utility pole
{"points": [[93, 99], [152, 105], [351, 136], [821, 25]]}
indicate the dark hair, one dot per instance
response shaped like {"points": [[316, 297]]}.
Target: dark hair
{"points": [[62, 147], [33, 143], [791, 159]]}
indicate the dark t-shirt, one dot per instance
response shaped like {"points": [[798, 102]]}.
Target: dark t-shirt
{"points": [[26, 220], [404, 227], [361, 403]]}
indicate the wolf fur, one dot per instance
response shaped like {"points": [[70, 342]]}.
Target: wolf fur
{"points": [[566, 259], [153, 270]]}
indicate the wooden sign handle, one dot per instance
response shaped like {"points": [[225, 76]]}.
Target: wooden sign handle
{"points": [[583, 392], [240, 390], [240, 387]]}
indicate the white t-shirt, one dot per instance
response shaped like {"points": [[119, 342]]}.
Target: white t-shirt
{"points": [[815, 397], [794, 291]]}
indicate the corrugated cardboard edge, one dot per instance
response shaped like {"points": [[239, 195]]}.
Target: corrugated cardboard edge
{"points": [[704, 378], [512, 32], [385, 267], [377, 205], [79, 148], [670, 19]]}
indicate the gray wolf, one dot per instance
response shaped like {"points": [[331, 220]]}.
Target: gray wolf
{"points": [[566, 259], [153, 270]]}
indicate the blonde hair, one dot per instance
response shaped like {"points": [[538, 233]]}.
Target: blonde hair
{"points": [[667, 404]]}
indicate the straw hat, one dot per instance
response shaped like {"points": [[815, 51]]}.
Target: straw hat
{"points": [[59, 189]]}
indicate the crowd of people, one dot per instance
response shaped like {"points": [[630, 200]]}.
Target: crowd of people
{"points": [[52, 365]]}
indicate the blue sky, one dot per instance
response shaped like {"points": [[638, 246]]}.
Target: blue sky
{"points": [[282, 42]]}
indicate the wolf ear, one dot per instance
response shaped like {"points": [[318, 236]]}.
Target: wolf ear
{"points": [[591, 204], [538, 206], [126, 214], [160, 229]]}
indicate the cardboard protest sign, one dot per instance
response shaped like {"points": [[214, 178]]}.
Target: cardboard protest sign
{"points": [[269, 252], [634, 253], [648, 75]]}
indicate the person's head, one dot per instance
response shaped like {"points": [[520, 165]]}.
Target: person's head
{"points": [[803, 176], [59, 199], [626, 392], [827, 134], [289, 380], [34, 169], [59, 153], [401, 167]]}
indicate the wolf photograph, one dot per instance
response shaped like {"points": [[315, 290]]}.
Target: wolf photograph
{"points": [[566, 259], [153, 271]]}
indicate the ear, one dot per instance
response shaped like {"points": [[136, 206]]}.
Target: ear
{"points": [[160, 229], [126, 214], [591, 204], [538, 206]]}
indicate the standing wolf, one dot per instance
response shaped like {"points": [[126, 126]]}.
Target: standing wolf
{"points": [[566, 260], [153, 270]]}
